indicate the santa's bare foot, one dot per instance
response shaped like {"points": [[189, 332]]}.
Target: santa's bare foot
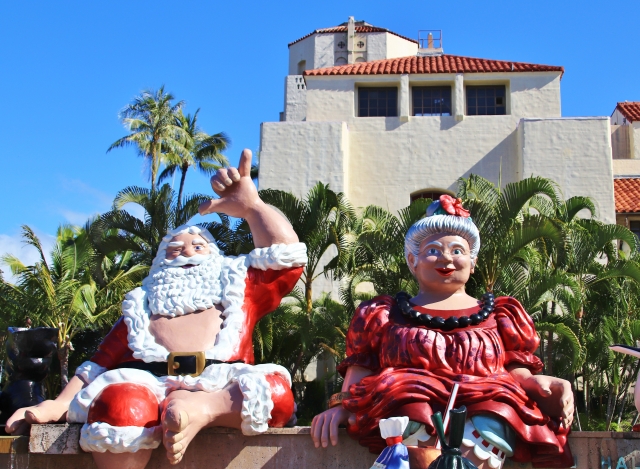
{"points": [[185, 414]]}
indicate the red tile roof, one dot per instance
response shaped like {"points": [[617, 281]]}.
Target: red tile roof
{"points": [[630, 110], [627, 194], [433, 64], [363, 28]]}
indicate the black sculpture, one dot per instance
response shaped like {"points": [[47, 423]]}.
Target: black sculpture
{"points": [[29, 356], [451, 457]]}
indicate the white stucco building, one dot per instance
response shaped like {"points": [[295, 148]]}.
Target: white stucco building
{"points": [[625, 139], [384, 118]]}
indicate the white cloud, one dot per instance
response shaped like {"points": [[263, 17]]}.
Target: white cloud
{"points": [[14, 245]]}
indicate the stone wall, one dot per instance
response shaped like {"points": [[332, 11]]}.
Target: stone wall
{"points": [[56, 446]]}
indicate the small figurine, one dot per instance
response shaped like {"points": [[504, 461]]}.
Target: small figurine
{"points": [[395, 455], [451, 457], [635, 352], [180, 358], [405, 355]]}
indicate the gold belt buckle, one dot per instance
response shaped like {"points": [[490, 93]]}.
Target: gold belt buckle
{"points": [[173, 366]]}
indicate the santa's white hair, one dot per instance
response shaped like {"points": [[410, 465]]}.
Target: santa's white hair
{"points": [[190, 229], [175, 291], [441, 224]]}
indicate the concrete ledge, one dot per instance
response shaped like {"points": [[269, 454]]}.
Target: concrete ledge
{"points": [[56, 446]]}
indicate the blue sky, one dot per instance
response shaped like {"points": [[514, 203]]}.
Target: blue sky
{"points": [[69, 67]]}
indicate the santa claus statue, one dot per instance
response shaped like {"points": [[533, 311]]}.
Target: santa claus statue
{"points": [[180, 358]]}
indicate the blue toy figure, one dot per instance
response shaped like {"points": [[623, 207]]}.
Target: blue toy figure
{"points": [[395, 455]]}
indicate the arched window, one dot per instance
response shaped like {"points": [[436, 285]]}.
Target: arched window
{"points": [[432, 193], [360, 59], [341, 61], [301, 66]]}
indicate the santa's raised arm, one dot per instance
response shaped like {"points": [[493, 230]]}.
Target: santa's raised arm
{"points": [[180, 357]]}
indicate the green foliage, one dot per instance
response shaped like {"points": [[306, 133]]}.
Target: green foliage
{"points": [[375, 253], [81, 286], [203, 151], [322, 221], [163, 211], [151, 120], [301, 329]]}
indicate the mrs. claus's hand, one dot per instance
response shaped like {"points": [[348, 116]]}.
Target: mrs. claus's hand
{"points": [[237, 192], [553, 395]]}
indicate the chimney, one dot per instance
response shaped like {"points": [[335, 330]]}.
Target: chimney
{"points": [[432, 39], [351, 37]]}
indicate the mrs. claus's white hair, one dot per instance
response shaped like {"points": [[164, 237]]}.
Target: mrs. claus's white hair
{"points": [[441, 224]]}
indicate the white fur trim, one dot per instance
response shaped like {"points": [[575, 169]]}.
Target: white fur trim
{"points": [[136, 316], [89, 371], [232, 278], [101, 437], [279, 256], [79, 407], [256, 403]]}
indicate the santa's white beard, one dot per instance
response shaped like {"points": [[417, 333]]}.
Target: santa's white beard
{"points": [[175, 291]]}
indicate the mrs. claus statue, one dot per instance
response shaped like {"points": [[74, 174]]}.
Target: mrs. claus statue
{"points": [[405, 356]]}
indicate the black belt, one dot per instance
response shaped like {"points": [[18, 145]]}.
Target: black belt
{"points": [[177, 364]]}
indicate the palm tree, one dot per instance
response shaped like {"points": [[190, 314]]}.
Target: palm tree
{"points": [[291, 337], [203, 151], [608, 283], [151, 119], [162, 210], [63, 294], [508, 226], [321, 220], [375, 253]]}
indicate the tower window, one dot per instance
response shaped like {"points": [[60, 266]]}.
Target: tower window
{"points": [[433, 194], [486, 100], [431, 100], [377, 102]]}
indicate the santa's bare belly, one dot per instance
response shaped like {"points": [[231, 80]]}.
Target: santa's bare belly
{"points": [[192, 332]]}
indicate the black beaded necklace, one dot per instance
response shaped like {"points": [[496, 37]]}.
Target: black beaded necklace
{"points": [[438, 322]]}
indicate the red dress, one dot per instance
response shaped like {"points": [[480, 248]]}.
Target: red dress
{"points": [[415, 369]]}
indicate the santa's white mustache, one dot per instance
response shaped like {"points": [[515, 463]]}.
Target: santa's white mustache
{"points": [[179, 261]]}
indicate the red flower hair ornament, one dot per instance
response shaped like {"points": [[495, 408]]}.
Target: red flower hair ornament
{"points": [[448, 205]]}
